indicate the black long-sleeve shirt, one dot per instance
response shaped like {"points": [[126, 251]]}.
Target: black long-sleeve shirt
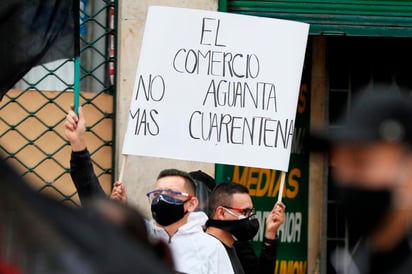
{"points": [[252, 264], [83, 176]]}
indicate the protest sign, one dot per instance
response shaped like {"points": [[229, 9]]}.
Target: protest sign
{"points": [[216, 87]]}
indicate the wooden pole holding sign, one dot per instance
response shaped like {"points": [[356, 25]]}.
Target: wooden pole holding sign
{"points": [[122, 168], [282, 185]]}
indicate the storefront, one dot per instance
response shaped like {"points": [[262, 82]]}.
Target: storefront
{"points": [[353, 43], [347, 17]]}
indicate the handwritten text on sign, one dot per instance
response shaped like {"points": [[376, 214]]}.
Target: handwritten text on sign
{"points": [[216, 87]]}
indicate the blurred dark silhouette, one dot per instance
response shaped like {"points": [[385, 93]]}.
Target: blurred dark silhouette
{"points": [[41, 235]]}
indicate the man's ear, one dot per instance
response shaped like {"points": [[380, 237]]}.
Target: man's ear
{"points": [[220, 213], [193, 203]]}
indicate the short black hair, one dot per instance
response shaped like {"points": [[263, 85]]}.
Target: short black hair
{"points": [[222, 195], [189, 182]]}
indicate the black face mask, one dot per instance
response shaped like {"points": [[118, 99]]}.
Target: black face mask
{"points": [[243, 229], [364, 209], [167, 210]]}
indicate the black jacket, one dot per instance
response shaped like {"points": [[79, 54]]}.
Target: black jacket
{"points": [[252, 264], [362, 259]]}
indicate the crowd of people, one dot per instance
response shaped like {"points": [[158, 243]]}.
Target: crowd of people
{"points": [[210, 231], [371, 166], [218, 243]]}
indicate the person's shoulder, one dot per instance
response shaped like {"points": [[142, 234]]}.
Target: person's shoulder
{"points": [[198, 217], [195, 223], [210, 240], [155, 231], [150, 224]]}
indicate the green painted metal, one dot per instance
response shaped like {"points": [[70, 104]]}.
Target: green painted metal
{"points": [[114, 4], [345, 17], [76, 90], [222, 5]]}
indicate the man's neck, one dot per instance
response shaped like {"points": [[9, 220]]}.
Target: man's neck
{"points": [[173, 228], [224, 236]]}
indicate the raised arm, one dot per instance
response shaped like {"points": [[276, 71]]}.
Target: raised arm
{"points": [[81, 168]]}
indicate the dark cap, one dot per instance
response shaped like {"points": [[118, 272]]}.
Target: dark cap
{"points": [[204, 177], [381, 113]]}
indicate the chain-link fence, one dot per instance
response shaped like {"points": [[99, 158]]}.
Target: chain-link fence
{"points": [[32, 115]]}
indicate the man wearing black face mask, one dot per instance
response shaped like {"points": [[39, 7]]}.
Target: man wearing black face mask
{"points": [[172, 205], [232, 221], [371, 163]]}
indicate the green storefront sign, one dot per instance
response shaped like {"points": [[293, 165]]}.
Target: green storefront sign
{"points": [[263, 185]]}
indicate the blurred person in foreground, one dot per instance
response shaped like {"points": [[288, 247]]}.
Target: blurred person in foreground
{"points": [[371, 165], [51, 237], [232, 220], [172, 201]]}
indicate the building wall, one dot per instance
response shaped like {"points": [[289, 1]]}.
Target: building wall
{"points": [[140, 172], [317, 189]]}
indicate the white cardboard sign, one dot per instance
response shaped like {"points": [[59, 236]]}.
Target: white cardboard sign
{"points": [[216, 87]]}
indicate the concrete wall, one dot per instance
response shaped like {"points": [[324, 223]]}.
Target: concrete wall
{"points": [[140, 172]]}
